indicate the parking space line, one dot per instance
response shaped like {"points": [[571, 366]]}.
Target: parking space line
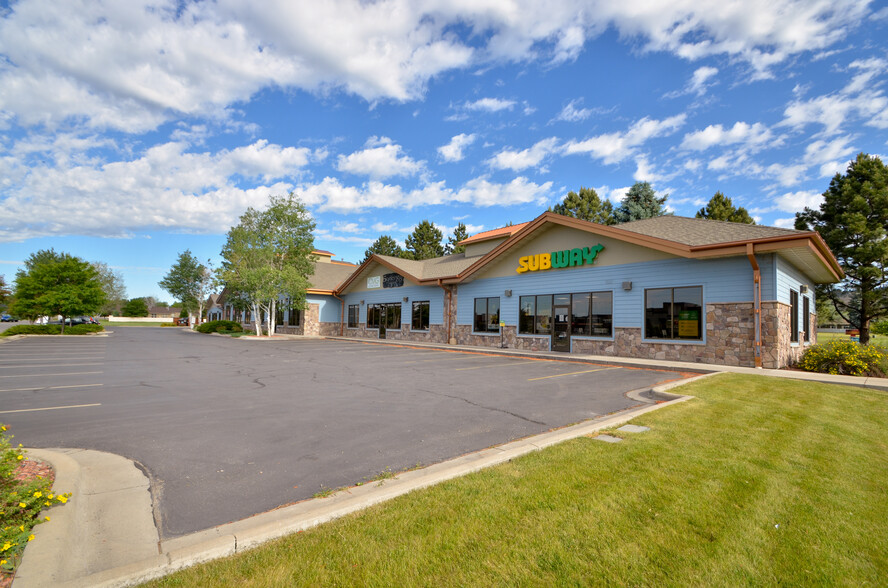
{"points": [[569, 374], [61, 374], [496, 365], [12, 367], [51, 357], [49, 408], [51, 387]]}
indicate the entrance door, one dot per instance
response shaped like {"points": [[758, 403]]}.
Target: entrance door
{"points": [[561, 323]]}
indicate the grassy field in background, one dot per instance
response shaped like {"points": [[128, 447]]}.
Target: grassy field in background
{"points": [[106, 323], [880, 340], [756, 481]]}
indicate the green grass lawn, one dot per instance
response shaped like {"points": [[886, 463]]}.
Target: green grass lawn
{"points": [[880, 340], [108, 324], [757, 481]]}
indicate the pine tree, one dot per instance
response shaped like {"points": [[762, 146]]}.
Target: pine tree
{"points": [[460, 233], [721, 208], [385, 245], [853, 220], [586, 205], [640, 202], [424, 242]]}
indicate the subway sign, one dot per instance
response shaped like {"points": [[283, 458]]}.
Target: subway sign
{"points": [[558, 259]]}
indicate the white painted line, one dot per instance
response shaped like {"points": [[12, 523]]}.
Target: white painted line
{"points": [[496, 365], [12, 367], [568, 374], [52, 387], [43, 375], [49, 408], [51, 357]]}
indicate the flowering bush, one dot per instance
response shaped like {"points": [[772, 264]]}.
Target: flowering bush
{"points": [[845, 357], [20, 504]]}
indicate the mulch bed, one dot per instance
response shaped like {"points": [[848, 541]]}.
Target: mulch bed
{"points": [[28, 470]]}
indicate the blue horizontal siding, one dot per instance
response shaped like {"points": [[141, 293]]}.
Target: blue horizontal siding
{"points": [[723, 280], [433, 294], [791, 278], [329, 309]]}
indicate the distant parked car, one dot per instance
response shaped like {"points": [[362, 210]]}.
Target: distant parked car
{"points": [[8, 318]]}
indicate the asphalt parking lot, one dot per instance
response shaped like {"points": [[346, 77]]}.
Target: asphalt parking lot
{"points": [[228, 428]]}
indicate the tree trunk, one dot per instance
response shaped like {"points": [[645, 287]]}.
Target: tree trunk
{"points": [[63, 324], [272, 319], [257, 319], [864, 318]]}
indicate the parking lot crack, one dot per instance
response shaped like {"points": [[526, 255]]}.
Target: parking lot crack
{"points": [[493, 408]]}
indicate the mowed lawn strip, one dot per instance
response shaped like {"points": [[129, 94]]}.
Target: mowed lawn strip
{"points": [[756, 481]]}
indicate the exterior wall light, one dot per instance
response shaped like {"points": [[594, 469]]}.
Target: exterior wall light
{"points": [[508, 293], [803, 288], [627, 286], [405, 299], [362, 303]]}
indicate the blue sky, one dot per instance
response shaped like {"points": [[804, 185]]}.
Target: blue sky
{"points": [[131, 131]]}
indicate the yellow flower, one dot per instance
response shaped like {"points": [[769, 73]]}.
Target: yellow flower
{"points": [[47, 503], [2, 562], [50, 496], [7, 545], [30, 537], [22, 505], [46, 517], [63, 499], [38, 494], [20, 457], [22, 528]]}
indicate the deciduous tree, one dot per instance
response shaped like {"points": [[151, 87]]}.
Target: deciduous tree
{"points": [[721, 208], [112, 286], [853, 220], [586, 205], [424, 242], [189, 281], [269, 255], [641, 202], [135, 307], [57, 284]]}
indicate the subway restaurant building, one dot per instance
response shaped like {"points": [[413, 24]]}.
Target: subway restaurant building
{"points": [[669, 288]]}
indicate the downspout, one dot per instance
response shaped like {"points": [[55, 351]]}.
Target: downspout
{"points": [[757, 302], [341, 313], [448, 294]]}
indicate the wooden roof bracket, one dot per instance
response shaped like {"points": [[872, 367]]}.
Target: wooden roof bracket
{"points": [[757, 302]]}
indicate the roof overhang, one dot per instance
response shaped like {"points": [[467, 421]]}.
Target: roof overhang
{"points": [[368, 263]]}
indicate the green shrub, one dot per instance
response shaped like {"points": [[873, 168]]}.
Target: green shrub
{"points": [[845, 357], [51, 330], [20, 504], [217, 326]]}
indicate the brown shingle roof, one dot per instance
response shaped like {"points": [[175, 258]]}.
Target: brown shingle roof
{"points": [[698, 231], [493, 233], [431, 269], [329, 275]]}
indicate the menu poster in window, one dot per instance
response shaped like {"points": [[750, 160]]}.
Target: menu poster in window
{"points": [[392, 281], [687, 323], [373, 282]]}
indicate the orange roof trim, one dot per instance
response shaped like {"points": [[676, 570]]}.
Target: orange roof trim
{"points": [[493, 234]]}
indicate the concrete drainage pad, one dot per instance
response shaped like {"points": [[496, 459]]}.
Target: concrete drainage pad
{"points": [[608, 438], [633, 429]]}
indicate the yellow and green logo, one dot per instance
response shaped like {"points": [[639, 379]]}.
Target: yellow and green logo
{"points": [[558, 259]]}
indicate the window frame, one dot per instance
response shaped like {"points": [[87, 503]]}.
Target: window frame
{"points": [[549, 302], [487, 326], [354, 311], [793, 316], [806, 317], [427, 304], [671, 319]]}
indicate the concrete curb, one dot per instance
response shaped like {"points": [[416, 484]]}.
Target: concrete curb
{"points": [[225, 540]]}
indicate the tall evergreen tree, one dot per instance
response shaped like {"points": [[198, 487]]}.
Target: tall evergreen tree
{"points": [[641, 202], [721, 208], [424, 242], [385, 245], [460, 233], [586, 205], [853, 220]]}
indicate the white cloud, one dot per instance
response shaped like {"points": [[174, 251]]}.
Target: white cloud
{"points": [[784, 223], [798, 201], [166, 187], [130, 64], [344, 227], [490, 104], [520, 160], [716, 135], [615, 147], [701, 76], [786, 175], [380, 159], [571, 112], [453, 151], [832, 156]]}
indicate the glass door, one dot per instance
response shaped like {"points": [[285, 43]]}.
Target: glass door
{"points": [[561, 322]]}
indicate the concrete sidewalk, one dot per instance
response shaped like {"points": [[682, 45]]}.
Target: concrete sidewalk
{"points": [[106, 537]]}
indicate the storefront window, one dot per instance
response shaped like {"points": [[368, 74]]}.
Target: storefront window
{"points": [[526, 314], [602, 314], [580, 314], [674, 313], [420, 316], [543, 325], [294, 317], [372, 316], [487, 315], [353, 313]]}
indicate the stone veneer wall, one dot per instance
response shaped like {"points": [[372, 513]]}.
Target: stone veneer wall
{"points": [[730, 338], [435, 334]]}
